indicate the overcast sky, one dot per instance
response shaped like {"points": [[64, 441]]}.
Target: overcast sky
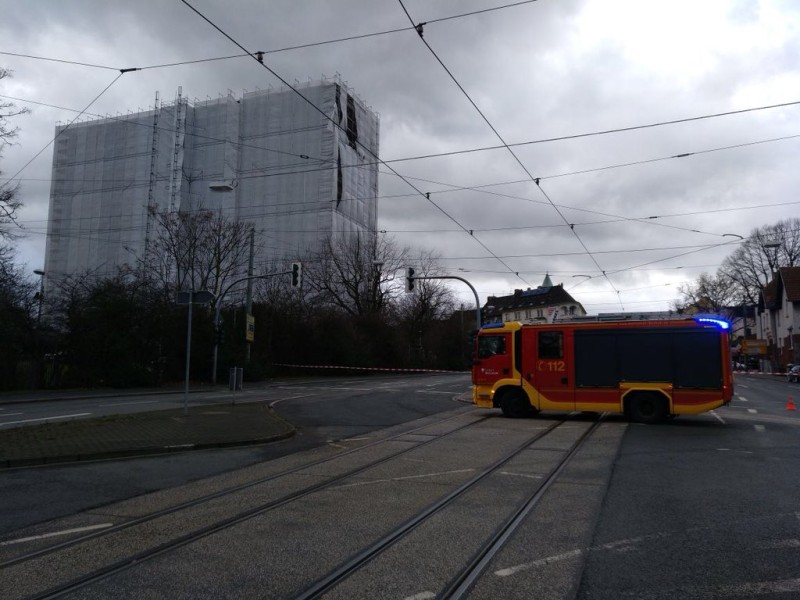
{"points": [[535, 71]]}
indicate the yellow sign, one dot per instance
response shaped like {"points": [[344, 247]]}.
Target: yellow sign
{"points": [[754, 346], [250, 334]]}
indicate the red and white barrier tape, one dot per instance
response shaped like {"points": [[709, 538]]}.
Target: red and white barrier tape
{"points": [[383, 369]]}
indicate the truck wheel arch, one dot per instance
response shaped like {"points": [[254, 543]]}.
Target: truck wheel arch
{"points": [[646, 406]]}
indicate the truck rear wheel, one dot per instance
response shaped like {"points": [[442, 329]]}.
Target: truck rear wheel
{"points": [[515, 404], [647, 408]]}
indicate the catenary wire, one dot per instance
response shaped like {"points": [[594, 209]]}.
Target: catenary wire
{"points": [[503, 142], [327, 117]]}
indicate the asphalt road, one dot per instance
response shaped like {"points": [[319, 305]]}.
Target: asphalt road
{"points": [[701, 507], [323, 410]]}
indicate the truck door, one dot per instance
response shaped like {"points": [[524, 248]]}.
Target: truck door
{"points": [[492, 359], [549, 370]]}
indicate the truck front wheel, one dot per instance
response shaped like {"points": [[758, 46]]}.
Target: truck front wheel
{"points": [[515, 404]]}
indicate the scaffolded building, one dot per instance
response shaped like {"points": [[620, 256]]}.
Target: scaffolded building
{"points": [[299, 173]]}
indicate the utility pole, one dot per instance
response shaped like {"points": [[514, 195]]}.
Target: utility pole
{"points": [[249, 297]]}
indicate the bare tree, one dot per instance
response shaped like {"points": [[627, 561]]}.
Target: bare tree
{"points": [[431, 301], [9, 195], [199, 250], [708, 294], [751, 266], [354, 273]]}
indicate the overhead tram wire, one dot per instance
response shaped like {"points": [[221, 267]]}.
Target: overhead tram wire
{"points": [[48, 144], [648, 220], [198, 136], [361, 145], [530, 142], [506, 146], [288, 48]]}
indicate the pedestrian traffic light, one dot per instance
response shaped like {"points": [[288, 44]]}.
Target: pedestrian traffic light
{"points": [[297, 274], [410, 279]]}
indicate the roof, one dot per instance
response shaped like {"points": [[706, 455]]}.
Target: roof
{"points": [[530, 298], [790, 276], [788, 279]]}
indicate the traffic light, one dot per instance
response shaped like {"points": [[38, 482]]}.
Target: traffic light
{"points": [[410, 279], [297, 274]]}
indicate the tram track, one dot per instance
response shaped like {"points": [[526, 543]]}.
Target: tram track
{"points": [[81, 565], [219, 525], [462, 582]]}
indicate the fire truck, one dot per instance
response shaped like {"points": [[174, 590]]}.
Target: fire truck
{"points": [[648, 370]]}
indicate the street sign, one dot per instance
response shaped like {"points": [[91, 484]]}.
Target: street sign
{"points": [[250, 334]]}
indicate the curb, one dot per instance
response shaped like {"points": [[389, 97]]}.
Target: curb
{"points": [[140, 452]]}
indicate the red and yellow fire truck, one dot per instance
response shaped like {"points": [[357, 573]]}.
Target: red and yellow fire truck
{"points": [[646, 369]]}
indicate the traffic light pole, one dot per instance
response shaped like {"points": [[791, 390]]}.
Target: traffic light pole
{"points": [[218, 312], [477, 301]]}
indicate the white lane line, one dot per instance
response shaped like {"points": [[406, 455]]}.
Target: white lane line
{"points": [[752, 411], [421, 596], [520, 475], [33, 538], [619, 545], [432, 392], [758, 588], [131, 403], [359, 483], [759, 428], [720, 419], [12, 414], [274, 402], [46, 419], [742, 399]]}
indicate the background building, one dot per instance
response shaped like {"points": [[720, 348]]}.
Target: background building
{"points": [[544, 304], [268, 158]]}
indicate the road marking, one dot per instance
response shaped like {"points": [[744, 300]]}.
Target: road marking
{"points": [[752, 411], [758, 588], [742, 399], [47, 419], [520, 475], [421, 596], [720, 419], [11, 414], [402, 478], [33, 538], [131, 403], [759, 428], [432, 392], [732, 450], [274, 402]]}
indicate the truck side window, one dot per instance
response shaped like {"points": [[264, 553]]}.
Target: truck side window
{"points": [[489, 345], [551, 344]]}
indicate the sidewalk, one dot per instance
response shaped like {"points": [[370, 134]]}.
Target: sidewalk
{"points": [[157, 432]]}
